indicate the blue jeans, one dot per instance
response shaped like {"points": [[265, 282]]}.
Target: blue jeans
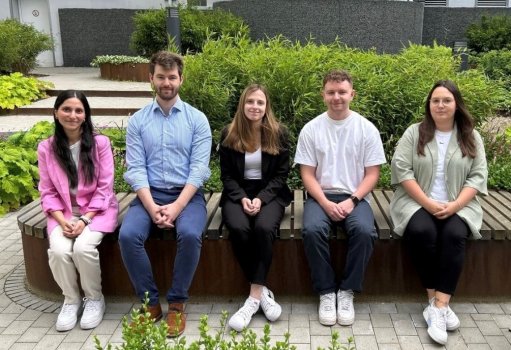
{"points": [[361, 232], [135, 230]]}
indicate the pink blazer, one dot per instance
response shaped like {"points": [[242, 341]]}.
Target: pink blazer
{"points": [[97, 196]]}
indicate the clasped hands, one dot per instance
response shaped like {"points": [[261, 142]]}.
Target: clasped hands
{"points": [[442, 210], [164, 216], [251, 207], [338, 211], [72, 228]]}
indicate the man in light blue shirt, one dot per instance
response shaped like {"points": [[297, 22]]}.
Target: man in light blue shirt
{"points": [[168, 146]]}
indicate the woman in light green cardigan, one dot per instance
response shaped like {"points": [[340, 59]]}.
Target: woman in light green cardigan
{"points": [[439, 166]]}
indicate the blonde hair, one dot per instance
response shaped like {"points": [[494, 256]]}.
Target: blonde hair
{"points": [[240, 135]]}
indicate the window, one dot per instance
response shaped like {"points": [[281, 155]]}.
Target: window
{"points": [[435, 3], [491, 3]]}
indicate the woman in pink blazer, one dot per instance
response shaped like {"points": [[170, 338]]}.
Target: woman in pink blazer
{"points": [[76, 172]]}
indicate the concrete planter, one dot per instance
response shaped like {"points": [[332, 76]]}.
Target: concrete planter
{"points": [[125, 71]]}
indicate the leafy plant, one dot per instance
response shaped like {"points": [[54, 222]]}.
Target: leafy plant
{"points": [[31, 138], [497, 146], [293, 74], [17, 90], [117, 59], [17, 174], [150, 34], [117, 138], [143, 334], [496, 64], [21, 43], [491, 33]]}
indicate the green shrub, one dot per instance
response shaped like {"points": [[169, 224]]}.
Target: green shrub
{"points": [[497, 148], [31, 138], [497, 66], [491, 33], [18, 174], [17, 90], [117, 59], [117, 138], [150, 34], [21, 43], [391, 89]]}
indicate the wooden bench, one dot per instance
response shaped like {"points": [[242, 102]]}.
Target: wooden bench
{"points": [[389, 273]]}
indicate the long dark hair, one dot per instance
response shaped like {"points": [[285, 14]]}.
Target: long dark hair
{"points": [[462, 117], [240, 135], [87, 145]]}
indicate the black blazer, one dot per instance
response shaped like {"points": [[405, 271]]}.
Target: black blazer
{"points": [[275, 170]]}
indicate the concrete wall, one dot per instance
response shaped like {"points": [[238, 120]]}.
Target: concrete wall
{"points": [[448, 25], [5, 9], [384, 25], [87, 33]]}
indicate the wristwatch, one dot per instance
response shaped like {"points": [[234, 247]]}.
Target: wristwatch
{"points": [[355, 200], [85, 220]]}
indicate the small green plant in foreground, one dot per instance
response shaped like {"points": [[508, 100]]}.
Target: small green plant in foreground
{"points": [[143, 334]]}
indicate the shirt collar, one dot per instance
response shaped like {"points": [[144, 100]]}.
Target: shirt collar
{"points": [[177, 106]]}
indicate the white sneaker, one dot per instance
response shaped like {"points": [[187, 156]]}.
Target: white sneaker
{"points": [[452, 322], [243, 316], [345, 309], [93, 313], [67, 317], [436, 319], [327, 316], [271, 308]]}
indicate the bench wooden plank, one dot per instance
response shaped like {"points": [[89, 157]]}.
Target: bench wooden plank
{"points": [[494, 209], [503, 205], [28, 211], [380, 207], [286, 228], [212, 208], [35, 225], [490, 216], [506, 194], [215, 229], [299, 200]]}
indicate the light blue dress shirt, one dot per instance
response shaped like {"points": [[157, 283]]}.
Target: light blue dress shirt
{"points": [[167, 151]]}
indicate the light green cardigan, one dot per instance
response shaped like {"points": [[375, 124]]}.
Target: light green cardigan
{"points": [[459, 172]]}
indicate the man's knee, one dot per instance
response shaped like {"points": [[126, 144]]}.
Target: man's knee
{"points": [[314, 231], [363, 233]]}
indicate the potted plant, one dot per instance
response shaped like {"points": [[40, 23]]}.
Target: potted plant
{"points": [[120, 67]]}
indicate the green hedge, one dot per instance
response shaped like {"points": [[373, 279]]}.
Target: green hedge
{"points": [[20, 45], [150, 34], [391, 89], [490, 33]]}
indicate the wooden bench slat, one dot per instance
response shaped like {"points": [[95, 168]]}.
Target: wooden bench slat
{"points": [[491, 217], [380, 206], [124, 204], [32, 227], [28, 212], [212, 210], [299, 200], [285, 230], [505, 194], [495, 209], [504, 206]]}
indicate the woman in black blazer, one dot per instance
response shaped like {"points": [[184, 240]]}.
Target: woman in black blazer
{"points": [[254, 163]]}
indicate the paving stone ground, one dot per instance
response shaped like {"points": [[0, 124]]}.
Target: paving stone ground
{"points": [[27, 321]]}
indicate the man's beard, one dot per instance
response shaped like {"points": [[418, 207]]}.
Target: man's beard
{"points": [[166, 96]]}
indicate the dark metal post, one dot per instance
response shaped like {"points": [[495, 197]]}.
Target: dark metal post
{"points": [[460, 49], [173, 24]]}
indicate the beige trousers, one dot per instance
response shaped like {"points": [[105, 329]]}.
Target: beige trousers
{"points": [[67, 255]]}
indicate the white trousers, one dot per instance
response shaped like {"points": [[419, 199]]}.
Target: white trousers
{"points": [[67, 255]]}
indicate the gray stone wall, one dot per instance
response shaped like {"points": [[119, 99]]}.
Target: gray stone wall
{"points": [[87, 33], [384, 25], [447, 25]]}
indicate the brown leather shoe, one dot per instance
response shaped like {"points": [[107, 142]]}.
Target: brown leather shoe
{"points": [[155, 313], [176, 319]]}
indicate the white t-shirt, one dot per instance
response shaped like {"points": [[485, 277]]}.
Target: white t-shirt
{"points": [[75, 155], [340, 150], [253, 161], [439, 190]]}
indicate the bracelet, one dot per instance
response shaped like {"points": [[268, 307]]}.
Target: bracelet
{"points": [[85, 220]]}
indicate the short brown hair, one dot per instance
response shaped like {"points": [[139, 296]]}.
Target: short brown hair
{"points": [[337, 76], [168, 60]]}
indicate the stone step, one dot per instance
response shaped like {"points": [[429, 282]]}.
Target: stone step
{"points": [[108, 93], [118, 106]]}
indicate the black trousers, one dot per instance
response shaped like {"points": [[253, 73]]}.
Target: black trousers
{"points": [[252, 236], [437, 248]]}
